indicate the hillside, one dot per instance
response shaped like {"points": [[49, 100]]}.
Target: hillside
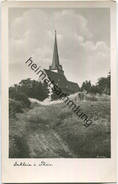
{"points": [[53, 131]]}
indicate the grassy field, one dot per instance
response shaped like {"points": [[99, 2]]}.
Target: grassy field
{"points": [[54, 131]]}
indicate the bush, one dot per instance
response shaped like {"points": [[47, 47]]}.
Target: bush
{"points": [[30, 88], [22, 98], [54, 131], [33, 89], [15, 107], [91, 97], [18, 147]]}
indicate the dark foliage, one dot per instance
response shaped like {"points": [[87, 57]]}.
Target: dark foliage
{"points": [[86, 86], [34, 89], [15, 107], [29, 88], [19, 97], [102, 86], [18, 147]]}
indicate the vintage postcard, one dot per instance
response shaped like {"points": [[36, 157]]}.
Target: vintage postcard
{"points": [[58, 92]]}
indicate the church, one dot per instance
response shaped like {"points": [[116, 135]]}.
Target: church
{"points": [[56, 73]]}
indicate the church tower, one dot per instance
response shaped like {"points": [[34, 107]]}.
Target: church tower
{"points": [[56, 67]]}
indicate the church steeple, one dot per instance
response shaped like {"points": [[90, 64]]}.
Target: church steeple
{"points": [[55, 60], [56, 67]]}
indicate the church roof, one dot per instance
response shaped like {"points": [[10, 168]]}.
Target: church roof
{"points": [[60, 80]]}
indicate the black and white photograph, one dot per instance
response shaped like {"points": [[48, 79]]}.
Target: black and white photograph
{"points": [[59, 96], [59, 83]]}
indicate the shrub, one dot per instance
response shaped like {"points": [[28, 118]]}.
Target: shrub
{"points": [[34, 89], [18, 147], [91, 97], [54, 131], [16, 95], [30, 88], [15, 107]]}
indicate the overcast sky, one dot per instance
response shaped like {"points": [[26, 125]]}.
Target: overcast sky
{"points": [[83, 36]]}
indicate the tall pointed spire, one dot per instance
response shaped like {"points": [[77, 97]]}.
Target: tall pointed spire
{"points": [[55, 61]]}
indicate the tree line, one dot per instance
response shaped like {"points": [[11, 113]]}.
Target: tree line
{"points": [[101, 87], [34, 89]]}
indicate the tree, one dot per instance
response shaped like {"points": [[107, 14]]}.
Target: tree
{"points": [[86, 86], [30, 88], [104, 84]]}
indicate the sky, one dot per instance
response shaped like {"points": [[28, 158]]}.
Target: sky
{"points": [[83, 38]]}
